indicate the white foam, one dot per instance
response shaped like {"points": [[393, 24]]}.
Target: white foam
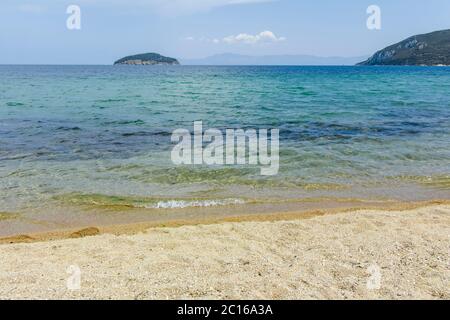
{"points": [[178, 204]]}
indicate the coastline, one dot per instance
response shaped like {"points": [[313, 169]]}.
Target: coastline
{"points": [[132, 228], [327, 255]]}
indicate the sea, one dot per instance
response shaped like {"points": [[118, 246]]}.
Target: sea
{"points": [[89, 145]]}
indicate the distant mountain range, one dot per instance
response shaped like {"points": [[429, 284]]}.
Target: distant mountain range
{"points": [[237, 59], [431, 49]]}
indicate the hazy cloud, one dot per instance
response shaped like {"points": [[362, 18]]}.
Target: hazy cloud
{"points": [[263, 37], [163, 7], [245, 38]]}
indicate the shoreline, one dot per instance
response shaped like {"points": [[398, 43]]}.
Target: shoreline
{"points": [[138, 227]]}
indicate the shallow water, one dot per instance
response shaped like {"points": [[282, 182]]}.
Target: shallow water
{"points": [[72, 135]]}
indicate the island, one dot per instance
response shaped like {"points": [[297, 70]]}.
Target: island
{"points": [[431, 49], [147, 59]]}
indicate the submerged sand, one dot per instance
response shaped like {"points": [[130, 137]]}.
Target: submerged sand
{"points": [[362, 254]]}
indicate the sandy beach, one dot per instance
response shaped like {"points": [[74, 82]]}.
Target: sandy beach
{"points": [[371, 254]]}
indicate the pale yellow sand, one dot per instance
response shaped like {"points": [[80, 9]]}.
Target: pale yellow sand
{"points": [[331, 257]]}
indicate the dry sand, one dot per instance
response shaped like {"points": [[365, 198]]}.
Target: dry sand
{"points": [[329, 257]]}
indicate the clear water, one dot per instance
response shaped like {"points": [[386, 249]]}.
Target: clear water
{"points": [[100, 135]]}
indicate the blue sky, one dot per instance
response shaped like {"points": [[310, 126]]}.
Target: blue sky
{"points": [[35, 32]]}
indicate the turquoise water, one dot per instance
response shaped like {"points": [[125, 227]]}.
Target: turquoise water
{"points": [[100, 135]]}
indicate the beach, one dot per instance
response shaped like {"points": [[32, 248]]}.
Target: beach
{"points": [[353, 254]]}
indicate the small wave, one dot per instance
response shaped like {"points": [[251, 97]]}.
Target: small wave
{"points": [[110, 100], [147, 133], [125, 122], [15, 104], [68, 128], [16, 157], [147, 203], [436, 181], [179, 204]]}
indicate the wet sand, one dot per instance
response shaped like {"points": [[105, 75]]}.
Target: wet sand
{"points": [[373, 254], [59, 222]]}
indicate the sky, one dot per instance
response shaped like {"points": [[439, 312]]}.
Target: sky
{"points": [[35, 31]]}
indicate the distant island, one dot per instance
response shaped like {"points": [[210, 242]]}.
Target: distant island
{"points": [[147, 59], [431, 49]]}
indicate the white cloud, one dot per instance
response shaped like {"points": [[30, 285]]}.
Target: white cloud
{"points": [[263, 37], [202, 39]]}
